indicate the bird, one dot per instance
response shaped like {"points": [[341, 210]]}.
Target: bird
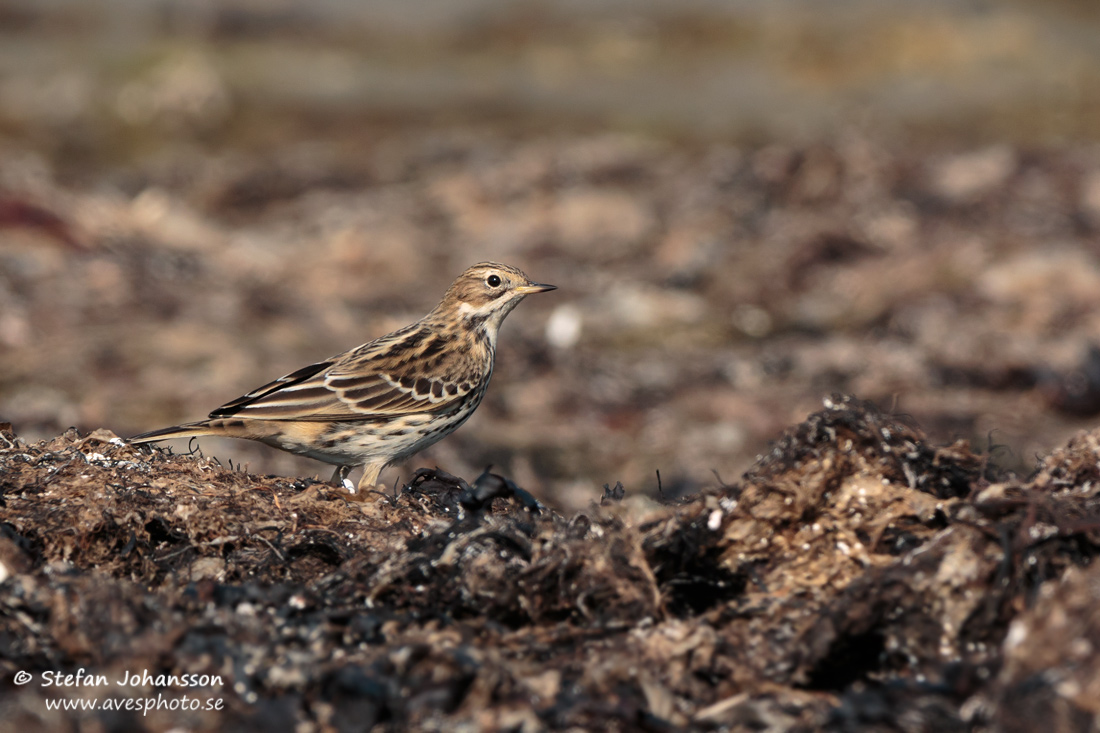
{"points": [[387, 399]]}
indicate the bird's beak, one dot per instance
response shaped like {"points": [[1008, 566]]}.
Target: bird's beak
{"points": [[535, 288]]}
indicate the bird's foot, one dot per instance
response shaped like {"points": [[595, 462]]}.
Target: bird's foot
{"points": [[340, 479], [368, 489], [370, 492]]}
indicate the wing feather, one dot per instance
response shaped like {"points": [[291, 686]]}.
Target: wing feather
{"points": [[379, 379], [298, 380]]}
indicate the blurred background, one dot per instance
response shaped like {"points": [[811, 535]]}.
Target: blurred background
{"points": [[747, 205]]}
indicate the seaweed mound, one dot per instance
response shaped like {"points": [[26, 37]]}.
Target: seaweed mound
{"points": [[856, 578]]}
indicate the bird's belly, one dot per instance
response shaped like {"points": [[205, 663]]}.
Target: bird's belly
{"points": [[360, 442]]}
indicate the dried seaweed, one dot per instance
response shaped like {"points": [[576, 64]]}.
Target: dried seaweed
{"points": [[856, 578]]}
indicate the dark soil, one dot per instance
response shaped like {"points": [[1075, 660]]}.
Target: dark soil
{"points": [[857, 577]]}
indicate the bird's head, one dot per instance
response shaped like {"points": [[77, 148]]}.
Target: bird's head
{"points": [[486, 293]]}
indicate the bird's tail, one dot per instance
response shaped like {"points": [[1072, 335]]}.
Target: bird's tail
{"points": [[187, 430]]}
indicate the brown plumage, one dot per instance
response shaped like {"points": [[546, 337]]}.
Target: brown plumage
{"points": [[387, 399]]}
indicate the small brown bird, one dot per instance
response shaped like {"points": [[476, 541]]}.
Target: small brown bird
{"points": [[387, 399]]}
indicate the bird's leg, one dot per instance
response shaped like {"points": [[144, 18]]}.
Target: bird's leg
{"points": [[340, 475], [369, 481]]}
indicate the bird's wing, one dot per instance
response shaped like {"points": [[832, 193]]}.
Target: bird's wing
{"points": [[385, 378]]}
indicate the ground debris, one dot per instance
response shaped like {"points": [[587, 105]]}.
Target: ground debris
{"points": [[856, 578]]}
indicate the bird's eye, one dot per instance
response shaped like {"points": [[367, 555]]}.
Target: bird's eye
{"points": [[493, 281]]}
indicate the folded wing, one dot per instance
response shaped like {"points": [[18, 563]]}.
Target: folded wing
{"points": [[358, 386]]}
